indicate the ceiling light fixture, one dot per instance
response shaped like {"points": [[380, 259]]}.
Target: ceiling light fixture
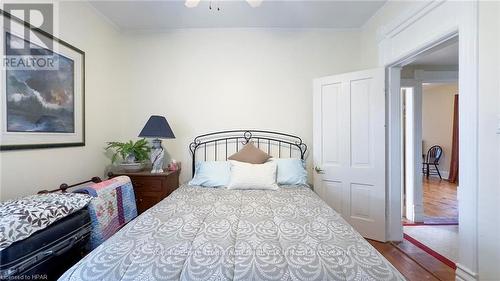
{"points": [[194, 3], [254, 3], [191, 3]]}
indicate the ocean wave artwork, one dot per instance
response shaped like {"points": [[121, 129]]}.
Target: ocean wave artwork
{"points": [[40, 100]]}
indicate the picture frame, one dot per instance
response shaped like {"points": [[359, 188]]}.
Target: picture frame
{"points": [[41, 106]]}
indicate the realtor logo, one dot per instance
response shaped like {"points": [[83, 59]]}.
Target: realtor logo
{"points": [[38, 15], [27, 48]]}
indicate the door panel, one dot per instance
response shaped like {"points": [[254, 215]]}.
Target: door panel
{"points": [[349, 147], [360, 201], [333, 194], [330, 94], [360, 123]]}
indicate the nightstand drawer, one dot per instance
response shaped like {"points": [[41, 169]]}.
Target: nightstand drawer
{"points": [[147, 184], [146, 200]]}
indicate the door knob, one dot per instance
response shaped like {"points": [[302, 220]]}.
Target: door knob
{"points": [[319, 170]]}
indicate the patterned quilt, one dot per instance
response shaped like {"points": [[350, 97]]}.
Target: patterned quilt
{"points": [[112, 207], [20, 218], [218, 234]]}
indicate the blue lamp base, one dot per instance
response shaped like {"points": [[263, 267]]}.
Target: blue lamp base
{"points": [[157, 157]]}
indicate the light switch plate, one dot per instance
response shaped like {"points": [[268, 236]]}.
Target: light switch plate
{"points": [[498, 124]]}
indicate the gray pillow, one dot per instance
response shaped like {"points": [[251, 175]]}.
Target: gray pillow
{"points": [[250, 154]]}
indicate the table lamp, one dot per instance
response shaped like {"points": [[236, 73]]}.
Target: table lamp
{"points": [[157, 127]]}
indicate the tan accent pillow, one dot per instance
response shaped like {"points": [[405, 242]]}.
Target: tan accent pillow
{"points": [[250, 154]]}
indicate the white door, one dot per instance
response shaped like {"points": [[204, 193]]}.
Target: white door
{"points": [[349, 147]]}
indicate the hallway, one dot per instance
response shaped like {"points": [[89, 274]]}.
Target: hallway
{"points": [[440, 201]]}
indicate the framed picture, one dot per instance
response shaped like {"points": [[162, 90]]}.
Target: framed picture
{"points": [[42, 102]]}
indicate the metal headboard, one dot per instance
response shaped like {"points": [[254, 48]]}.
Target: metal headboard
{"points": [[237, 138]]}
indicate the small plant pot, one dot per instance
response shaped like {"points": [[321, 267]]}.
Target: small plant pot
{"points": [[132, 167]]}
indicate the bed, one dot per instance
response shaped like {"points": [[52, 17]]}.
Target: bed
{"points": [[200, 233]]}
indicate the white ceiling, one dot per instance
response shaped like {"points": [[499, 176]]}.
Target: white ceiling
{"points": [[446, 55], [157, 15]]}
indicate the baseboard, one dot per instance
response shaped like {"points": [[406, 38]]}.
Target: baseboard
{"points": [[464, 274]]}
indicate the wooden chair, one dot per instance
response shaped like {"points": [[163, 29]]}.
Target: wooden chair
{"points": [[432, 160]]}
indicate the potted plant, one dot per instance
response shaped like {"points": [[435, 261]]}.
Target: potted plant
{"points": [[133, 154]]}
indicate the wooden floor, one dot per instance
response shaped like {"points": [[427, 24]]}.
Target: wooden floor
{"points": [[414, 263], [440, 199], [440, 206]]}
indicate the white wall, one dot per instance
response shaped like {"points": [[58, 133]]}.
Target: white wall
{"points": [[27, 171], [206, 80], [371, 33], [437, 120], [489, 140]]}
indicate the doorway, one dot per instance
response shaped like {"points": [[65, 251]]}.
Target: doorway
{"points": [[401, 40], [429, 152], [440, 131]]}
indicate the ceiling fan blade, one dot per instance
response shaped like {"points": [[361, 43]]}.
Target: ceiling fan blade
{"points": [[191, 3], [254, 3]]}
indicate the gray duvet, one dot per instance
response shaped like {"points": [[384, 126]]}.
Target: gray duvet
{"points": [[218, 234]]}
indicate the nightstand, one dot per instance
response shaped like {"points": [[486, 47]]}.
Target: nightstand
{"points": [[150, 188]]}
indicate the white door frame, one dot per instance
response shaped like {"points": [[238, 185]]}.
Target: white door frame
{"points": [[413, 149], [422, 28], [414, 202]]}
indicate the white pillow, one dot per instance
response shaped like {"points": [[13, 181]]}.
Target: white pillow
{"points": [[253, 176]]}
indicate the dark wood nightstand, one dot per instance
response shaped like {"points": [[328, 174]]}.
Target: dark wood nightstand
{"points": [[150, 188]]}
